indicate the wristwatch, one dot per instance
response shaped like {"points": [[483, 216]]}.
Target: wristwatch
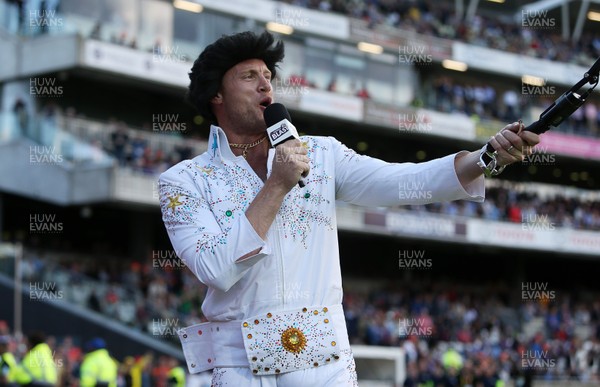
{"points": [[489, 163]]}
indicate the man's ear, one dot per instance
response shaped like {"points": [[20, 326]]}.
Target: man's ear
{"points": [[217, 99]]}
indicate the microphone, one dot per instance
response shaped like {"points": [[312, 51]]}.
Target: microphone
{"points": [[564, 106], [554, 115], [279, 127]]}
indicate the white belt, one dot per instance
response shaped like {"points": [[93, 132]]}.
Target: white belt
{"points": [[265, 341]]}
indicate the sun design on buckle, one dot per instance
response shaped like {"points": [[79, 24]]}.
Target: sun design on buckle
{"points": [[293, 340]]}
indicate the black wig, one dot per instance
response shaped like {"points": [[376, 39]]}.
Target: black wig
{"points": [[208, 70]]}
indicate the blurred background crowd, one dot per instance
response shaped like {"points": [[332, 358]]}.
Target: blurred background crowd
{"points": [[450, 330]]}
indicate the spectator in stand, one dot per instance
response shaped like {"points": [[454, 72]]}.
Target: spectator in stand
{"points": [[176, 375], [412, 375], [443, 94], [96, 32], [94, 302], [22, 116], [577, 121], [514, 213], [160, 372], [591, 115], [67, 356], [37, 367], [119, 140], [332, 85], [8, 363], [363, 93], [511, 105], [98, 368]]}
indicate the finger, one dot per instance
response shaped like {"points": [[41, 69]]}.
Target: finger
{"points": [[529, 138], [525, 147], [506, 145], [297, 159], [521, 126], [501, 145], [305, 170], [301, 150], [303, 159], [511, 138], [294, 143], [293, 146], [515, 127]]}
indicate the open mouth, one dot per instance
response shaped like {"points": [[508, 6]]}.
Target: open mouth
{"points": [[265, 102]]}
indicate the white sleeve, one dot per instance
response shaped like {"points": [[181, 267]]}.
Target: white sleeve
{"points": [[367, 181], [209, 251]]}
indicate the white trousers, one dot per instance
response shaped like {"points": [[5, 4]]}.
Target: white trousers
{"points": [[342, 373]]}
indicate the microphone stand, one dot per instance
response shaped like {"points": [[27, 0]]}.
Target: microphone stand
{"points": [[554, 115]]}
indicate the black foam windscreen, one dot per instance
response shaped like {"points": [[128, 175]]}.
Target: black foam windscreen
{"points": [[276, 112]]}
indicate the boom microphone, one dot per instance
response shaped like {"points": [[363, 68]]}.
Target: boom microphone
{"points": [[279, 127], [565, 105]]}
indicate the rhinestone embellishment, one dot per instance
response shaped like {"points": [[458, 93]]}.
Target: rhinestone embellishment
{"points": [[293, 340]]}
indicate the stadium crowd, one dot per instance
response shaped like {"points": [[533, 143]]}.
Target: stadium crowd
{"points": [[524, 35], [501, 203], [483, 325], [506, 204], [483, 101], [494, 337], [451, 332], [67, 363], [133, 148], [144, 150], [437, 18]]}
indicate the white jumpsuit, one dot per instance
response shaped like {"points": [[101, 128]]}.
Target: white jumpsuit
{"points": [[203, 203]]}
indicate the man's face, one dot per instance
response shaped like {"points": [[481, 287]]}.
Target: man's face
{"points": [[245, 93]]}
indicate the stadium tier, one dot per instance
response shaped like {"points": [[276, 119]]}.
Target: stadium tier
{"points": [[504, 292]]}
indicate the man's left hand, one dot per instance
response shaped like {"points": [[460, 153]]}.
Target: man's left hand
{"points": [[513, 143]]}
